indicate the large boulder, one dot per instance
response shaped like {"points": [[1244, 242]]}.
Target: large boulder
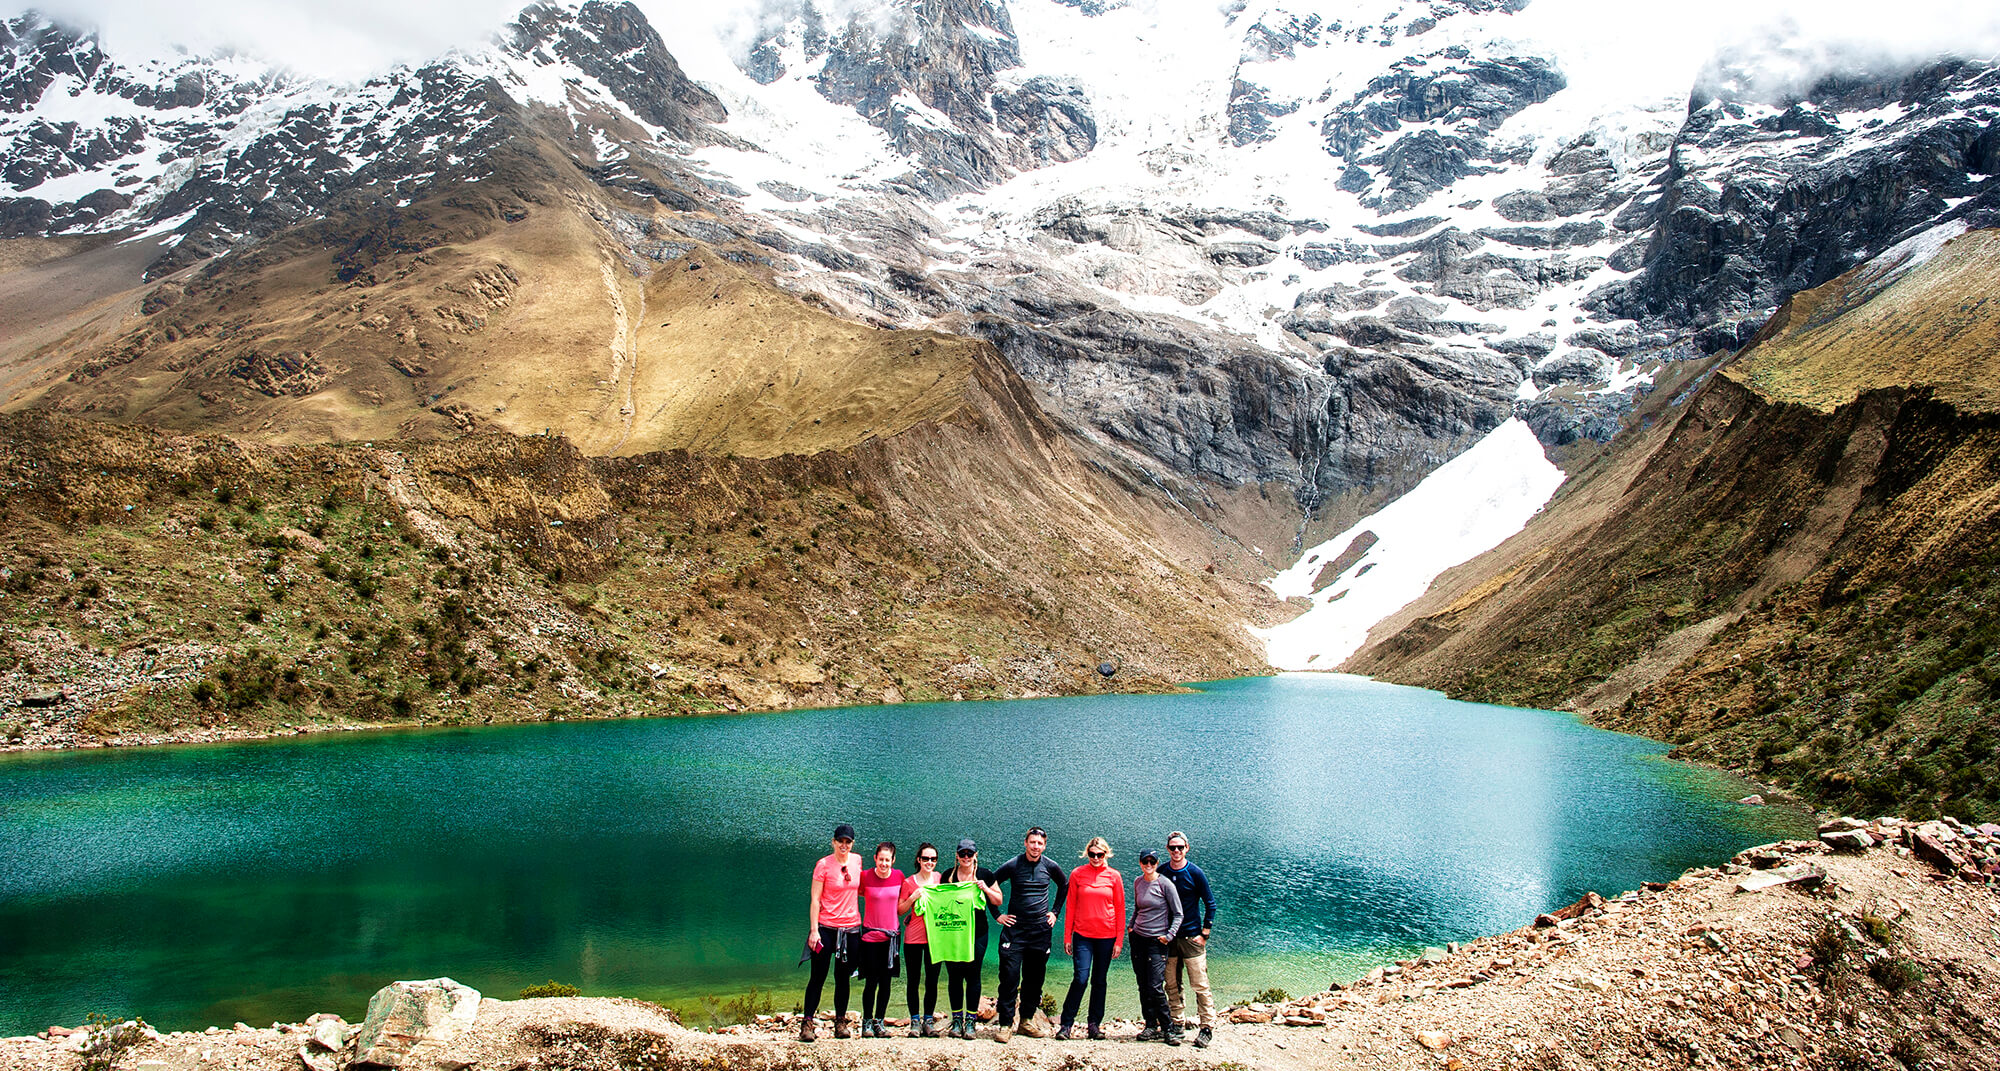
{"points": [[405, 1015]]}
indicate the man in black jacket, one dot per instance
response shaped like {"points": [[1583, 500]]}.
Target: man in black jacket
{"points": [[1036, 891]]}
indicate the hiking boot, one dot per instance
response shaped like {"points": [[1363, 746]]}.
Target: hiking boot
{"points": [[1173, 1035], [1202, 1037], [1001, 1034], [1062, 1032], [1096, 1032], [841, 1029], [1149, 1033], [917, 1028], [808, 1031], [1032, 1029]]}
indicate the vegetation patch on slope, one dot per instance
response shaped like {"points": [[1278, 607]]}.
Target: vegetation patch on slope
{"points": [[165, 587]]}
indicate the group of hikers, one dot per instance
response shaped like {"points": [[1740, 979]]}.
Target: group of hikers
{"points": [[866, 920]]}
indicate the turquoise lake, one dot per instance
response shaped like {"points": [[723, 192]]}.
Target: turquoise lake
{"points": [[1341, 821]]}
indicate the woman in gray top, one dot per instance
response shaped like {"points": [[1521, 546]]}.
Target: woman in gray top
{"points": [[1156, 917]]}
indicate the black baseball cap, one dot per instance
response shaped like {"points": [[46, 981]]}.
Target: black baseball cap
{"points": [[966, 847], [843, 831], [1149, 856]]}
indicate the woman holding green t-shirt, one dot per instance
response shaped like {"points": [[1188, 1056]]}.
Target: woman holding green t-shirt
{"points": [[962, 974]]}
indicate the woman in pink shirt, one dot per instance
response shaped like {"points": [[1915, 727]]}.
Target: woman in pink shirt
{"points": [[834, 916], [917, 945], [1093, 931], [881, 934]]}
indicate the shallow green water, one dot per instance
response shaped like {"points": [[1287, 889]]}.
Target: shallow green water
{"points": [[1341, 821]]}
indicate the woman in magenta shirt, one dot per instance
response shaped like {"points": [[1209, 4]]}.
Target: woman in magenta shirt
{"points": [[881, 936], [834, 915]]}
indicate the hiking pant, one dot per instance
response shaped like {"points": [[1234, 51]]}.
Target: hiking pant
{"points": [[917, 958], [962, 983], [872, 959], [1190, 953], [1022, 968], [829, 937], [1093, 964], [1149, 964]]}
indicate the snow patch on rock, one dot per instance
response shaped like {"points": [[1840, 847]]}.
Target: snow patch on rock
{"points": [[1468, 506]]}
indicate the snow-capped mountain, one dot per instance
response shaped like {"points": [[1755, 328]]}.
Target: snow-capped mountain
{"points": [[1322, 246]]}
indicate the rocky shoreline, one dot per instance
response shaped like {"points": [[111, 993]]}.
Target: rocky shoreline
{"points": [[1876, 945]]}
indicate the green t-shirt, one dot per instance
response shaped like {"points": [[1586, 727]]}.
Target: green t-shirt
{"points": [[951, 913]]}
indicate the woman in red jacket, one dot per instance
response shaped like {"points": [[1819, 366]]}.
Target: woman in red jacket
{"points": [[1093, 932]]}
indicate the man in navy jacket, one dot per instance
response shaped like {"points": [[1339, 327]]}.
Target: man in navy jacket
{"points": [[1190, 948]]}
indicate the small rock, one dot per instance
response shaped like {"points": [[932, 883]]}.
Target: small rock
{"points": [[1841, 825], [1847, 840], [1752, 800], [330, 1034], [318, 1061], [1433, 1039], [1932, 850], [1804, 874]]}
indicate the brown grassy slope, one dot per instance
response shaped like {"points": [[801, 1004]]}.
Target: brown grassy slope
{"points": [[1807, 596], [1889, 324], [506, 303], [494, 577]]}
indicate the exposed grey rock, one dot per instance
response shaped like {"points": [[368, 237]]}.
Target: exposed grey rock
{"points": [[1251, 110], [1403, 229], [1450, 90], [1524, 206], [1243, 254], [1487, 280], [1736, 240], [613, 43], [1577, 366], [1560, 419], [1534, 346], [1050, 119], [1587, 232]]}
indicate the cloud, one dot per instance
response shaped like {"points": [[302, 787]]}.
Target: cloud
{"points": [[349, 40], [1651, 48]]}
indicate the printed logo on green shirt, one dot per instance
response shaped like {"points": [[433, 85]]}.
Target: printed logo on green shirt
{"points": [[951, 917]]}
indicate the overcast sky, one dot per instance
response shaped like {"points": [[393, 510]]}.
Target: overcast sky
{"points": [[354, 38]]}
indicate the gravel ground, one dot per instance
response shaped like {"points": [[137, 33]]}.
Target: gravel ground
{"points": [[1885, 962]]}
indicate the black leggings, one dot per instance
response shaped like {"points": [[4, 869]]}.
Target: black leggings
{"points": [[962, 984], [918, 959], [822, 960], [872, 958]]}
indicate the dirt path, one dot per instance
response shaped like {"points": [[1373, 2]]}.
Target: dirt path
{"points": [[1884, 963]]}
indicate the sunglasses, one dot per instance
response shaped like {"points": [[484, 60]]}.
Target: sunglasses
{"points": [[967, 855], [927, 859], [1177, 847], [1096, 855]]}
